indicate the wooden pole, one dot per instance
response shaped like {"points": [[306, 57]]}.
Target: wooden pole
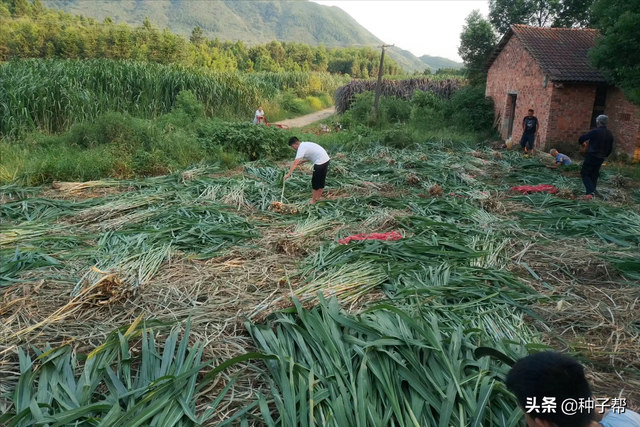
{"points": [[379, 84]]}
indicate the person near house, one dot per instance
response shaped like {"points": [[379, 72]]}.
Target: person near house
{"points": [[529, 132], [599, 145], [547, 384], [561, 159], [312, 152], [259, 117]]}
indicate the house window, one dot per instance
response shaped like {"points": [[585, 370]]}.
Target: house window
{"points": [[625, 117]]}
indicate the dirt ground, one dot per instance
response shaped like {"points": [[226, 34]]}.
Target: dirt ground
{"points": [[303, 121]]}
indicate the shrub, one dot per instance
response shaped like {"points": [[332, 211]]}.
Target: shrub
{"points": [[252, 141], [186, 101], [289, 102], [326, 100], [394, 110], [471, 109], [360, 112], [314, 102], [427, 110]]}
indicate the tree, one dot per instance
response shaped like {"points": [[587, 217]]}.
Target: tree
{"points": [[541, 13], [197, 35], [277, 52], [617, 52], [574, 13], [38, 8], [477, 41], [21, 8]]}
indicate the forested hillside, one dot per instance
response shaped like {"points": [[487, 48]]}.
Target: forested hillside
{"points": [[31, 30], [253, 22], [437, 62]]}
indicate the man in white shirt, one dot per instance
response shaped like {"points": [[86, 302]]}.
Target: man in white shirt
{"points": [[312, 152], [259, 117]]}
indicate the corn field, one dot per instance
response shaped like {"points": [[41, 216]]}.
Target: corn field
{"points": [[404, 89], [52, 95]]}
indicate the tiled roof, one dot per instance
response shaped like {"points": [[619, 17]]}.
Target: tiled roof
{"points": [[561, 52]]}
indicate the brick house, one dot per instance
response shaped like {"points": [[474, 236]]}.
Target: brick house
{"points": [[547, 69]]}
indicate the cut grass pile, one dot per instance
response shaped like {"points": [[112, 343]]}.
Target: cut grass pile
{"points": [[411, 332]]}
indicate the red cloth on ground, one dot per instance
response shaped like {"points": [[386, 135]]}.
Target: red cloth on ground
{"points": [[542, 188], [391, 235]]}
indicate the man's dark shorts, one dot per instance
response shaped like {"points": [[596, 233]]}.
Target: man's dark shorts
{"points": [[319, 175], [528, 139]]}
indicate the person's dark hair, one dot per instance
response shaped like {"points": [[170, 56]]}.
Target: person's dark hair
{"points": [[531, 110], [550, 374], [293, 140]]}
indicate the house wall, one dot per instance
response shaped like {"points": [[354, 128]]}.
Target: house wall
{"points": [[515, 71], [571, 111], [624, 122]]}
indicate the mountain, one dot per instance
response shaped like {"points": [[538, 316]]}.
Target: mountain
{"points": [[435, 62], [250, 21], [407, 60]]}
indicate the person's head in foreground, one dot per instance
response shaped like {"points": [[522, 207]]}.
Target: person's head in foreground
{"points": [[553, 152], [530, 112], [550, 375], [602, 120], [260, 108], [294, 143]]}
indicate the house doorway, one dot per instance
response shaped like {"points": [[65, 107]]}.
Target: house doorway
{"points": [[511, 113], [599, 103]]}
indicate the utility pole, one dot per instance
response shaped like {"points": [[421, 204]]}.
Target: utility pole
{"points": [[379, 84]]}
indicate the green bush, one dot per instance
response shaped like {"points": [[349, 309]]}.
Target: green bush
{"points": [[470, 109], [428, 111], [252, 141], [360, 112], [394, 110], [186, 101], [288, 101]]}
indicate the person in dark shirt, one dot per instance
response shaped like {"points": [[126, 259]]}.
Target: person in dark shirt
{"points": [[529, 132], [599, 143], [545, 382]]}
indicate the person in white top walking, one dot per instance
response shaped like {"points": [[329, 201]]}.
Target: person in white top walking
{"points": [[312, 152], [259, 117]]}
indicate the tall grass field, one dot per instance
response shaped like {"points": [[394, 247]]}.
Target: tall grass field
{"points": [[52, 95]]}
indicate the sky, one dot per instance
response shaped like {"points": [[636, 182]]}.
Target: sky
{"points": [[423, 27]]}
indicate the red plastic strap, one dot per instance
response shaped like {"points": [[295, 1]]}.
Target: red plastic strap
{"points": [[542, 188], [391, 235]]}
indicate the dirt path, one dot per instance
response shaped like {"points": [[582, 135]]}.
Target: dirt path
{"points": [[299, 122]]}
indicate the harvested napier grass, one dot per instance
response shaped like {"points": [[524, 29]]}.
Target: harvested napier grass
{"points": [[618, 181], [214, 294], [109, 289], [282, 208], [76, 187], [435, 191], [566, 193], [412, 179]]}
